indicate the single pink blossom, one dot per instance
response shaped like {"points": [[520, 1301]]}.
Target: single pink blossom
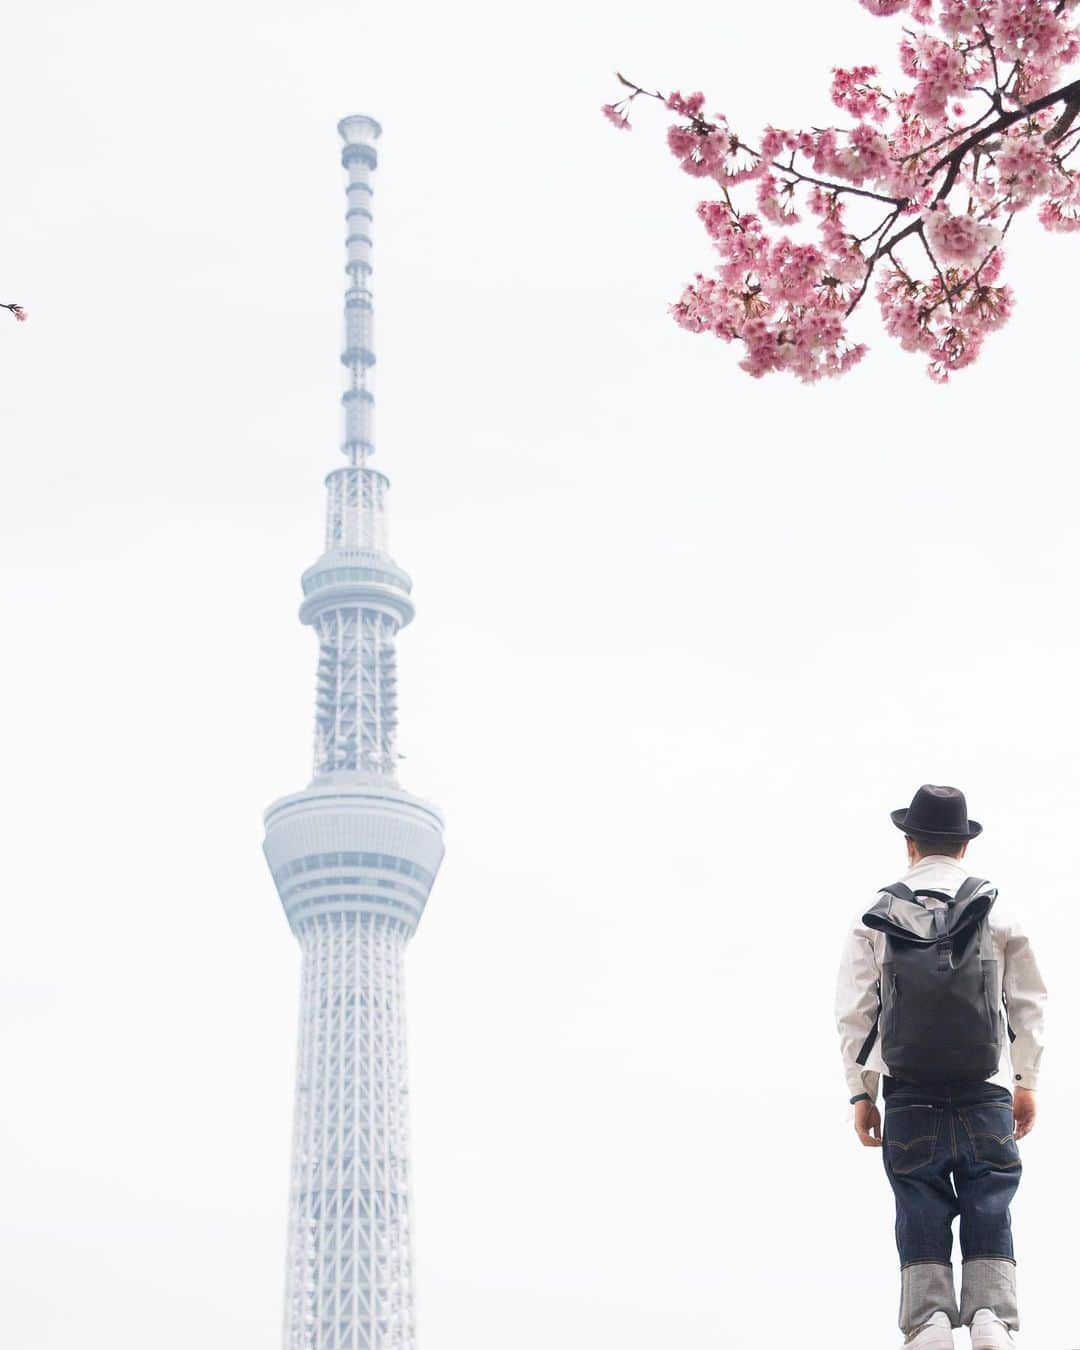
{"points": [[853, 92], [962, 18], [714, 152], [883, 8], [991, 305], [613, 115], [774, 142], [958, 239], [689, 106], [793, 271], [1025, 166], [868, 158], [1061, 210], [776, 200]]}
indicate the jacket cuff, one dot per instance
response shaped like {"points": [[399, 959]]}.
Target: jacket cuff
{"points": [[1025, 1078], [861, 1080]]}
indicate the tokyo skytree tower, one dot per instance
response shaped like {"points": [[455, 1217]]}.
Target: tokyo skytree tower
{"points": [[354, 857]]}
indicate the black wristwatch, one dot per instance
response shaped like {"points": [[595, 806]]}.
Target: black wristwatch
{"points": [[862, 1097]]}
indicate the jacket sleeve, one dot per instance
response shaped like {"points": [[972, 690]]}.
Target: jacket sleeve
{"points": [[857, 1007], [1026, 995]]}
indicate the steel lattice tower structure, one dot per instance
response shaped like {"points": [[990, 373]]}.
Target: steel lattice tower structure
{"points": [[354, 857]]}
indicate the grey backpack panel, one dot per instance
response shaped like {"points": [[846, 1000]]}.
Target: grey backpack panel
{"points": [[940, 986]]}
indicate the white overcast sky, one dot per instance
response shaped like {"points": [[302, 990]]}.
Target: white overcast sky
{"points": [[683, 640]]}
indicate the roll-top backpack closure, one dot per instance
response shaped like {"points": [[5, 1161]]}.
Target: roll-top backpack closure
{"points": [[939, 989], [900, 914]]}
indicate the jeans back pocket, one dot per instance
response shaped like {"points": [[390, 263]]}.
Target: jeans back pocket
{"points": [[990, 1130], [910, 1136]]}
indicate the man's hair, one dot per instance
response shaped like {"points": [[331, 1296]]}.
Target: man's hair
{"points": [[924, 845]]}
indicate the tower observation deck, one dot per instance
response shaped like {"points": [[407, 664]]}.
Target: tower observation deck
{"points": [[353, 857]]}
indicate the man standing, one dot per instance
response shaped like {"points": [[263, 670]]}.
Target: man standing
{"points": [[939, 996]]}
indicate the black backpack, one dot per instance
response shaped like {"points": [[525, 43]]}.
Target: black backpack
{"points": [[940, 987]]}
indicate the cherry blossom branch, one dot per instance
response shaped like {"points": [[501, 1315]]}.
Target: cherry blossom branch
{"points": [[954, 158], [949, 136], [883, 250], [987, 42], [792, 268], [704, 128], [1060, 128], [17, 310]]}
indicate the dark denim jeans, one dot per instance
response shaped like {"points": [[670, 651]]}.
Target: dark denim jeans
{"points": [[949, 1151]]}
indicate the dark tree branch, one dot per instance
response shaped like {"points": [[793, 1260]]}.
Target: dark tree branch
{"points": [[955, 158]]}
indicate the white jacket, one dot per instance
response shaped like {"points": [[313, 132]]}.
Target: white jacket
{"points": [[860, 969]]}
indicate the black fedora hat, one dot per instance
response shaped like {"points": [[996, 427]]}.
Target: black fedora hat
{"points": [[936, 813]]}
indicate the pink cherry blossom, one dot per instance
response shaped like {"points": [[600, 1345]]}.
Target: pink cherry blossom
{"points": [[690, 105], [1025, 167], [776, 200], [715, 152], [612, 113], [774, 142], [938, 69], [884, 8], [1027, 28], [907, 202], [868, 157], [958, 238], [855, 91], [962, 18], [1061, 210]]}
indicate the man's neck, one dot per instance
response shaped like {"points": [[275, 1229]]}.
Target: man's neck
{"points": [[930, 862]]}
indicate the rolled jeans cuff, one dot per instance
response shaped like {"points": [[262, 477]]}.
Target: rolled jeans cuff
{"points": [[989, 1282], [926, 1287]]}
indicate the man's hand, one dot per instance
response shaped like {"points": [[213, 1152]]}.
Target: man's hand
{"points": [[1023, 1111], [868, 1123]]}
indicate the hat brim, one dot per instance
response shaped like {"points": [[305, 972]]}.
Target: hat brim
{"points": [[899, 819]]}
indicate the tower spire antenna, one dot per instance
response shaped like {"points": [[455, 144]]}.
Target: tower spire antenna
{"points": [[356, 597], [354, 857], [360, 159]]}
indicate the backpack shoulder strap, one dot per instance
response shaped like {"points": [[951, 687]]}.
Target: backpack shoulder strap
{"points": [[899, 890], [868, 1044], [970, 886], [1008, 1019]]}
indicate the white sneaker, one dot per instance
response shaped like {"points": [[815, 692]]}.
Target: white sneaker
{"points": [[989, 1332], [936, 1334]]}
